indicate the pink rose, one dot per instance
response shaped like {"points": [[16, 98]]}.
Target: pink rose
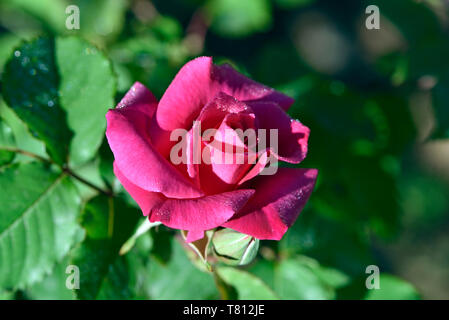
{"points": [[200, 196]]}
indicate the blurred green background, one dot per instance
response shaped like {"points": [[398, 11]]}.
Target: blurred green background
{"points": [[376, 101]]}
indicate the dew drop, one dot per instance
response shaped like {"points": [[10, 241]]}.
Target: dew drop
{"points": [[43, 67]]}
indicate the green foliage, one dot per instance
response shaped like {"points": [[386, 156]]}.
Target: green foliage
{"points": [[53, 286], [81, 67], [38, 222], [392, 288], [23, 139], [61, 204], [188, 278], [6, 143], [32, 67], [248, 287], [7, 44], [101, 19], [304, 279], [235, 18], [108, 222]]}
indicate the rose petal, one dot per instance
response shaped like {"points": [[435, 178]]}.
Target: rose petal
{"points": [[276, 204], [230, 81], [261, 163], [200, 213], [219, 114], [292, 134], [196, 215], [140, 98], [182, 102], [193, 235], [196, 83], [230, 157], [127, 133], [145, 199]]}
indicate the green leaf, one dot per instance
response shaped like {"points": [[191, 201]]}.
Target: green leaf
{"points": [[31, 89], [23, 139], [392, 288], [263, 269], [178, 279], [53, 286], [6, 295], [37, 222], [6, 143], [332, 277], [108, 222], [149, 60], [89, 171], [49, 12], [101, 19], [117, 284], [332, 243], [143, 227], [162, 243], [7, 43], [248, 286], [303, 278], [236, 18], [87, 89]]}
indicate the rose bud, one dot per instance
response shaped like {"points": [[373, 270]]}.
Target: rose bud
{"points": [[234, 248]]}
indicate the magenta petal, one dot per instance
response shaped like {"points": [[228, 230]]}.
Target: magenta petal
{"points": [[194, 215], [140, 98], [127, 133], [182, 102], [145, 199], [230, 157], [185, 97], [230, 81], [193, 235], [292, 134], [261, 163], [277, 203], [198, 82], [194, 86], [201, 213], [219, 109]]}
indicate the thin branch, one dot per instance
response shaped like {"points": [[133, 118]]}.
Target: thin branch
{"points": [[26, 153], [67, 170], [90, 184]]}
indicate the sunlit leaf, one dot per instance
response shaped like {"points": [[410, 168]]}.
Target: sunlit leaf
{"points": [[37, 222], [30, 88], [162, 284], [87, 88], [392, 288], [235, 18], [108, 223], [248, 286]]}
